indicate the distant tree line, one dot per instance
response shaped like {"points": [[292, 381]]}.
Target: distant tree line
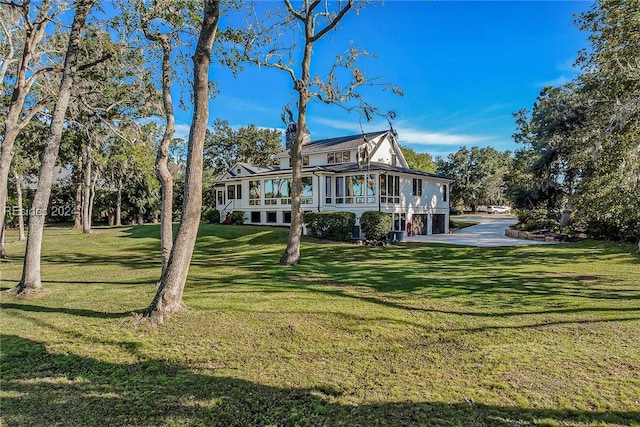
{"points": [[579, 165]]}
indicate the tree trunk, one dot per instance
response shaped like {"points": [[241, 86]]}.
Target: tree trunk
{"points": [[162, 158], [118, 219], [291, 255], [77, 211], [92, 197], [5, 164], [13, 122], [86, 191], [168, 299], [18, 179], [31, 279]]}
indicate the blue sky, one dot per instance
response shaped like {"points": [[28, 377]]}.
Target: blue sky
{"points": [[464, 67]]}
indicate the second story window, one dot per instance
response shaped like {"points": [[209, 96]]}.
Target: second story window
{"points": [[305, 161], [339, 157], [417, 187]]}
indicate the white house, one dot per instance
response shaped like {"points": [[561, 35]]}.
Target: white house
{"points": [[357, 173]]}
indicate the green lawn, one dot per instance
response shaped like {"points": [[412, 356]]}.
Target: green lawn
{"points": [[426, 335]]}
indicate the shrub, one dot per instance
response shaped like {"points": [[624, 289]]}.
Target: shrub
{"points": [[529, 215], [237, 217], [541, 225], [375, 225], [330, 225], [211, 215]]}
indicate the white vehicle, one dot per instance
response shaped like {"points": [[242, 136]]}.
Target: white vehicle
{"points": [[499, 209]]}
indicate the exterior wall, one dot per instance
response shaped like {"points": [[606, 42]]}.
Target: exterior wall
{"points": [[407, 206], [384, 153]]}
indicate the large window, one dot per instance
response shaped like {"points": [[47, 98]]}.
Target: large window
{"points": [[389, 189], [231, 192], [356, 189], [416, 189], [277, 190], [254, 192]]}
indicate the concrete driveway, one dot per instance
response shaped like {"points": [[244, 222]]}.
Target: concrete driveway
{"points": [[489, 233]]}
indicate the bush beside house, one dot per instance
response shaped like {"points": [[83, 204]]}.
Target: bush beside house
{"points": [[330, 225], [375, 225]]}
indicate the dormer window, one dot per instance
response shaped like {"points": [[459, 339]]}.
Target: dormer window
{"points": [[239, 171]]}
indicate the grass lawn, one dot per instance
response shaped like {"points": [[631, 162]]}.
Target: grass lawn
{"points": [[425, 335]]}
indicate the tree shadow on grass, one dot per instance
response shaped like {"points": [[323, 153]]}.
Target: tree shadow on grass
{"points": [[64, 310], [43, 388]]}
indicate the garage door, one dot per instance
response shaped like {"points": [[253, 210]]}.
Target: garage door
{"points": [[438, 226]]}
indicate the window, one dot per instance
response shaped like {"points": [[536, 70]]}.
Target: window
{"points": [[286, 217], [255, 216], [254, 192], [356, 188], [277, 190], [444, 192], [231, 192], [389, 189], [417, 187], [305, 161], [399, 221], [272, 217], [239, 191], [394, 159], [371, 188], [327, 190], [339, 189], [307, 190], [339, 157]]}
